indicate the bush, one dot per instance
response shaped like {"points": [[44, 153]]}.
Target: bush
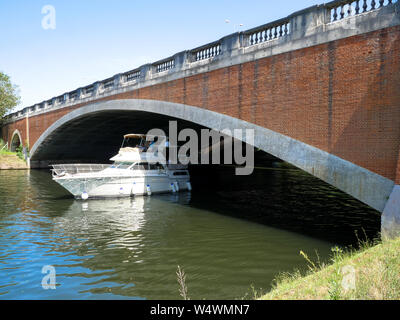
{"points": [[3, 150], [20, 153]]}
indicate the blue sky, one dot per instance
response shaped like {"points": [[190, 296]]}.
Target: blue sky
{"points": [[95, 39]]}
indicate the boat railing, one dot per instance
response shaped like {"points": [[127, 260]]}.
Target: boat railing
{"points": [[62, 169]]}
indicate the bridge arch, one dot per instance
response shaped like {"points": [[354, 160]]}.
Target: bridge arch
{"points": [[362, 184], [16, 140]]}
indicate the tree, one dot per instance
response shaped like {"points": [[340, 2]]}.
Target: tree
{"points": [[9, 97]]}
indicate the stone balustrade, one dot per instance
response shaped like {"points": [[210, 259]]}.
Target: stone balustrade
{"points": [[164, 65], [339, 10], [270, 31], [205, 52], [133, 75]]}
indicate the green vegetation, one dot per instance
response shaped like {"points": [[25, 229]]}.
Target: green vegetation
{"points": [[19, 152], [2, 146], [370, 273], [9, 97], [11, 160]]}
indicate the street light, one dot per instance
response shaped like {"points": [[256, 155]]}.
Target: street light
{"points": [[235, 27]]}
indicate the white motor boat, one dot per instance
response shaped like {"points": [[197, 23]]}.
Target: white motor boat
{"points": [[135, 171]]}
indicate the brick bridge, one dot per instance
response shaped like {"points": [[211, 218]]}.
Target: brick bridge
{"points": [[321, 89]]}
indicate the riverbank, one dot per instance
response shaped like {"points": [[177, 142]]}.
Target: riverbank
{"points": [[370, 273], [10, 161]]}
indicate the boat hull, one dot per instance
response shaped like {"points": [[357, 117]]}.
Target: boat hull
{"points": [[106, 187]]}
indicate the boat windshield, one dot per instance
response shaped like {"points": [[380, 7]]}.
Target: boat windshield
{"points": [[147, 166], [135, 142], [137, 166], [142, 142], [121, 165]]}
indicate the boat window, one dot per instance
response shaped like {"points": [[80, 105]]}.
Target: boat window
{"points": [[141, 166], [180, 173], [123, 165], [144, 166], [156, 166], [159, 166]]}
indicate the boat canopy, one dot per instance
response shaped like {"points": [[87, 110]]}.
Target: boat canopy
{"points": [[139, 136]]}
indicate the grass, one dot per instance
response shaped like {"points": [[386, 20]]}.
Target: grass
{"points": [[6, 152], [371, 272], [11, 160]]}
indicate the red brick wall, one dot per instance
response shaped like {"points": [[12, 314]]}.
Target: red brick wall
{"points": [[8, 131], [342, 97]]}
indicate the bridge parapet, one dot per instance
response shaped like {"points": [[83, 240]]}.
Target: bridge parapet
{"points": [[338, 10], [312, 26], [207, 51], [267, 32]]}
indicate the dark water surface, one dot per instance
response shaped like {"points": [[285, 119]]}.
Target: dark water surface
{"points": [[228, 234]]}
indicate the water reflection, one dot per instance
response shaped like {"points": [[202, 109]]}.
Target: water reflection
{"points": [[286, 198]]}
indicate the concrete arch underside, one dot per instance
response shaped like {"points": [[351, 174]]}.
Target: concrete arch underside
{"points": [[103, 124]]}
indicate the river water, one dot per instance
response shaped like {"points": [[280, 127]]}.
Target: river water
{"points": [[228, 234]]}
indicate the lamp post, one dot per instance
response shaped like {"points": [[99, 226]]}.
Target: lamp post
{"points": [[235, 27]]}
